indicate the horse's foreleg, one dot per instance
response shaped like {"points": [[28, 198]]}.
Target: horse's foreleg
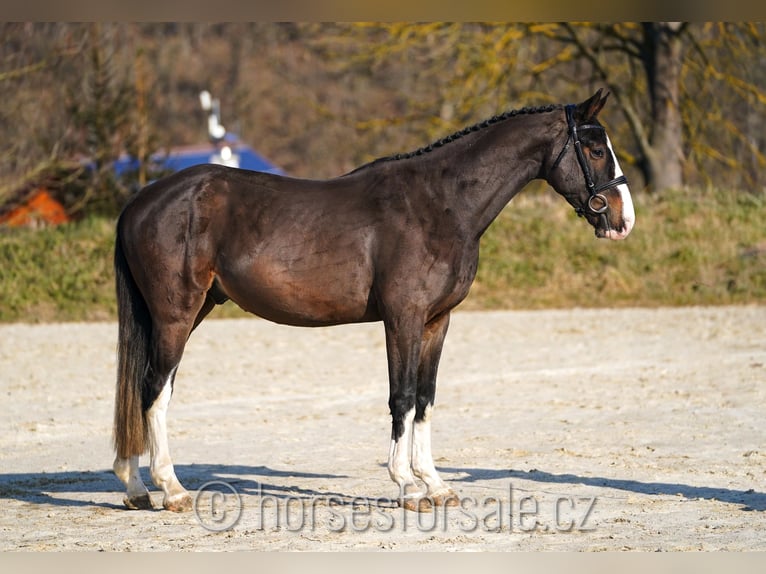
{"points": [[403, 348], [438, 493], [137, 497], [399, 457], [163, 474]]}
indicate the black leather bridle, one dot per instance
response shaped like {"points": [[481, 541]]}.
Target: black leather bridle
{"points": [[593, 189]]}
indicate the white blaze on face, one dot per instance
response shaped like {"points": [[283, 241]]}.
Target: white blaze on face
{"points": [[628, 213]]}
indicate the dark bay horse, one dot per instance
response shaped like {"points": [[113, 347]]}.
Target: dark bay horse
{"points": [[396, 240]]}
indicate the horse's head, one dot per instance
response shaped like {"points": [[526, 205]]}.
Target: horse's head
{"points": [[584, 169]]}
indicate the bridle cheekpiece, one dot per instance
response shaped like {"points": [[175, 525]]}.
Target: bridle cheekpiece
{"points": [[593, 189]]}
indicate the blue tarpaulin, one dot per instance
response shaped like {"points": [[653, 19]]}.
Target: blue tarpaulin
{"points": [[178, 158]]}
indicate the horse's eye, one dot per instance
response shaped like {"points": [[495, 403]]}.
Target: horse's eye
{"points": [[597, 153]]}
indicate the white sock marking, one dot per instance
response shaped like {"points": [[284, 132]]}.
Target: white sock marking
{"points": [[400, 457], [127, 471], [161, 466], [422, 459]]}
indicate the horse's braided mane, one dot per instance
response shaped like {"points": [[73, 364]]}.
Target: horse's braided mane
{"points": [[459, 134]]}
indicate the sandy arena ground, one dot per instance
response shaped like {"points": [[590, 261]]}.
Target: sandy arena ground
{"points": [[593, 430]]}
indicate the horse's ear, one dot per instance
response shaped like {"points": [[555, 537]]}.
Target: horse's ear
{"points": [[589, 109]]}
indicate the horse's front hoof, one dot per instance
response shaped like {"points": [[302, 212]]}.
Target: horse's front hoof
{"points": [[181, 503], [427, 503], [446, 499], [143, 502], [415, 504], [418, 504]]}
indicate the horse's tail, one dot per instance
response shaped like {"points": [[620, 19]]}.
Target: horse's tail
{"points": [[133, 341]]}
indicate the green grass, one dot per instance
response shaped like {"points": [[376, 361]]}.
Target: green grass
{"points": [[692, 247], [59, 274], [689, 247]]}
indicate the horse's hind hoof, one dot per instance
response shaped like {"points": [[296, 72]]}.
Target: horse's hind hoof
{"points": [[180, 504], [143, 502]]}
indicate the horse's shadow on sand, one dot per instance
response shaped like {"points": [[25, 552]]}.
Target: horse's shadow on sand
{"points": [[58, 488], [54, 487], [750, 500]]}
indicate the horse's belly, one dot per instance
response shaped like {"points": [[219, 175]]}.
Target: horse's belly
{"points": [[329, 294]]}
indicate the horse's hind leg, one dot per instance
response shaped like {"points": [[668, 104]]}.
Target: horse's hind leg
{"points": [[137, 497], [176, 497], [169, 342], [163, 474], [438, 493]]}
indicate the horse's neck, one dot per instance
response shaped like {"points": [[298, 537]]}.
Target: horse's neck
{"points": [[493, 167]]}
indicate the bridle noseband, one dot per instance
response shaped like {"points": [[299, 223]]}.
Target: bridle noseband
{"points": [[593, 189]]}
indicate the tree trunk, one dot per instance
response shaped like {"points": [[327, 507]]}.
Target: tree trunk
{"points": [[662, 62]]}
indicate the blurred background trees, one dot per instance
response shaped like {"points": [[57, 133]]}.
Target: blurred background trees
{"points": [[319, 99]]}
